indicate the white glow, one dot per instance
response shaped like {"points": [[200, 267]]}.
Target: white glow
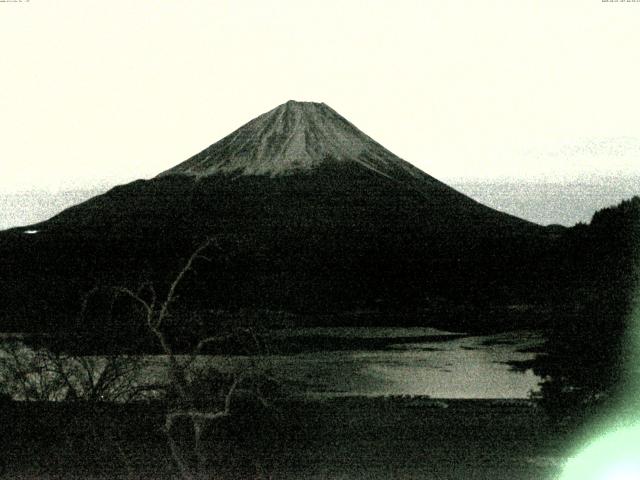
{"points": [[623, 471], [614, 455]]}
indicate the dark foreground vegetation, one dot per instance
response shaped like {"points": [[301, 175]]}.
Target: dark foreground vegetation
{"points": [[589, 361], [351, 438], [587, 279]]}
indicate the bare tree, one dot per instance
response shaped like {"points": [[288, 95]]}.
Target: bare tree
{"points": [[198, 394], [188, 380], [42, 374]]}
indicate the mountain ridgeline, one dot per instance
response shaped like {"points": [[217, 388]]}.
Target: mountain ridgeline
{"points": [[309, 217]]}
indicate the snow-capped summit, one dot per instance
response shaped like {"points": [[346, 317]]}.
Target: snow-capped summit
{"points": [[293, 137]]}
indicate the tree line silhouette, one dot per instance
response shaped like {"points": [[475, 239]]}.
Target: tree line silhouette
{"points": [[590, 351]]}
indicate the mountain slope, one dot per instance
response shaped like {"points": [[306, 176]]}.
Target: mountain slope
{"points": [[299, 137], [294, 137], [309, 214]]}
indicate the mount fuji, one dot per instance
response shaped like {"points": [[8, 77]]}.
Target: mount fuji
{"points": [[309, 215]]}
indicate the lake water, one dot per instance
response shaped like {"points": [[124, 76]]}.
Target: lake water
{"points": [[391, 361], [412, 361], [463, 367]]}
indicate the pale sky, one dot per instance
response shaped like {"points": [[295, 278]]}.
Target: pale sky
{"points": [[103, 92]]}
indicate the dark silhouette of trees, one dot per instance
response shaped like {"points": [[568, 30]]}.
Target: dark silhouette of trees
{"points": [[43, 374], [589, 347]]}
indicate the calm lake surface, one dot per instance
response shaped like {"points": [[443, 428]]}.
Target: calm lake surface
{"points": [[410, 361], [370, 361]]}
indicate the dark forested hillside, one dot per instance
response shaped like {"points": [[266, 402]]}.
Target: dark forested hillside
{"points": [[591, 340]]}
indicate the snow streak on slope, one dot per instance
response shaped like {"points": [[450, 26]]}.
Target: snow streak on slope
{"points": [[294, 137]]}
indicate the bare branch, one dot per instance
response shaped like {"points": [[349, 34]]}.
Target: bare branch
{"points": [[205, 341], [230, 393], [188, 266], [125, 291]]}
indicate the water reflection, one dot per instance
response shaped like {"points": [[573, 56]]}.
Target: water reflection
{"points": [[390, 361], [467, 367]]}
